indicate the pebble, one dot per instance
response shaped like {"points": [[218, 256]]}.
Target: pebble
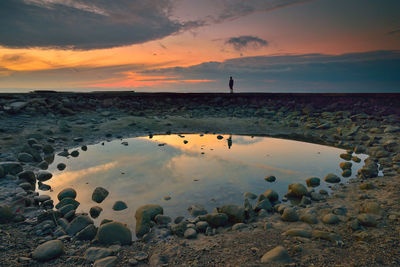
{"points": [[277, 255], [290, 215], [48, 250], [190, 233], [99, 194], [119, 205], [330, 219], [94, 253]]}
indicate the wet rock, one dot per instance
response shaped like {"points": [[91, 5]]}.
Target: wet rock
{"points": [[326, 236], [297, 190], [144, 215], [346, 173], [313, 181], [99, 194], [305, 201], [202, 226], [190, 233], [95, 253], [95, 211], [309, 218], [28, 176], [114, 232], [179, 228], [106, 262], [355, 159], [298, 232], [87, 233], [250, 195], [277, 255], [61, 166], [290, 215], [369, 170], [43, 165], [367, 220], [48, 149], [67, 208], [67, 192], [44, 175], [345, 165], [271, 195], [332, 178], [345, 156], [330, 219], [270, 178], [162, 219], [6, 215], [78, 224], [178, 219], [48, 250], [235, 213], [75, 153], [67, 201], [217, 219], [263, 205], [372, 207], [25, 157], [11, 167], [27, 186], [119, 205], [196, 210], [367, 186]]}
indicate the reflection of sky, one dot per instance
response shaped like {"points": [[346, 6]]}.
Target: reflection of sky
{"points": [[143, 172]]}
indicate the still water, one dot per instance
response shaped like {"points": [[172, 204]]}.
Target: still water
{"points": [[190, 169]]}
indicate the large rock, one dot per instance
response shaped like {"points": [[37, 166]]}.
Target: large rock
{"points": [[11, 167], [114, 232], [332, 178], [67, 201], [28, 176], [290, 215], [94, 253], [44, 175], [144, 215], [119, 205], [78, 224], [313, 181], [277, 255], [345, 165], [330, 219], [297, 190], [271, 195], [372, 207], [235, 213], [263, 205], [87, 233], [367, 220], [99, 194], [309, 218], [48, 250], [217, 219], [110, 261], [196, 210], [6, 214], [67, 192]]}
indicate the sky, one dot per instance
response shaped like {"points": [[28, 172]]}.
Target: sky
{"points": [[195, 46]]}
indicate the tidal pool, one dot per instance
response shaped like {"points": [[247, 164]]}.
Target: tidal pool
{"points": [[190, 169]]}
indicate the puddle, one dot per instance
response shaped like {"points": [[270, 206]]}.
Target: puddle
{"points": [[190, 169]]}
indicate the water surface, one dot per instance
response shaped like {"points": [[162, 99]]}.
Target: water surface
{"points": [[190, 169]]}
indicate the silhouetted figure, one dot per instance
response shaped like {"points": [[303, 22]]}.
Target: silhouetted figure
{"points": [[231, 84], [229, 141]]}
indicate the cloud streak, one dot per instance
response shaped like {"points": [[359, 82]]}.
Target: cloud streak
{"points": [[242, 42]]}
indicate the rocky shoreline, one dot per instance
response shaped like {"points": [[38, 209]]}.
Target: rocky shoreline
{"points": [[357, 225]]}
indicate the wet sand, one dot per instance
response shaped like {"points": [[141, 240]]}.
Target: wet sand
{"points": [[365, 122]]}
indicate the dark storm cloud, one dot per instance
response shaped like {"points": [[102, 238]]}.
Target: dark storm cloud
{"points": [[85, 24], [242, 42], [355, 72]]}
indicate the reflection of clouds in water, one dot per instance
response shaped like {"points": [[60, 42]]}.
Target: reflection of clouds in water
{"points": [[244, 140]]}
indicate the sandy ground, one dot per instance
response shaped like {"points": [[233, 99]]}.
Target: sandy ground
{"points": [[369, 122]]}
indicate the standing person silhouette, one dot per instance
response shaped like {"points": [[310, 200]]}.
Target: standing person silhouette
{"points": [[231, 84]]}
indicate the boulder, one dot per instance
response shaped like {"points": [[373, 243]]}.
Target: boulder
{"points": [[48, 250], [144, 215], [263, 205], [277, 255], [78, 224], [44, 175], [114, 232], [297, 190], [290, 215], [67, 192], [217, 219], [67, 201], [119, 205], [87, 233], [28, 176], [330, 219], [162, 219], [196, 210], [271, 195], [366, 219], [190, 233], [313, 181], [236, 214], [332, 178], [99, 194]]}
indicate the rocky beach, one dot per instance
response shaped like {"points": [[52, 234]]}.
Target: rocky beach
{"points": [[357, 224]]}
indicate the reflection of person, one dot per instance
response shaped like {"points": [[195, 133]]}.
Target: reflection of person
{"points": [[229, 141], [231, 84]]}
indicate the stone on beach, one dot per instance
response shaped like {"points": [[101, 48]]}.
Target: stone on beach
{"points": [[48, 250], [94, 253], [114, 232], [95, 211], [313, 181], [217, 219], [277, 255], [44, 175], [297, 190], [196, 210], [99, 194], [144, 215], [119, 205], [78, 224], [236, 214], [290, 215], [332, 178], [271, 195], [67, 192], [106, 262]]}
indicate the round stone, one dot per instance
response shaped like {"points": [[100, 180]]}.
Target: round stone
{"points": [[114, 232], [99, 194], [67, 192], [48, 250]]}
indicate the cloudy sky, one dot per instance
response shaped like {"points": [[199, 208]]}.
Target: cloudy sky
{"points": [[194, 46]]}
